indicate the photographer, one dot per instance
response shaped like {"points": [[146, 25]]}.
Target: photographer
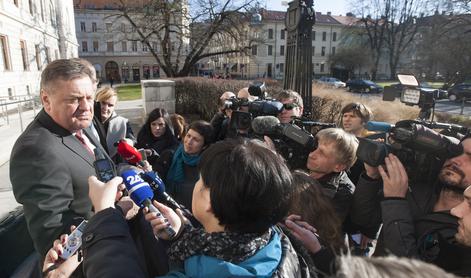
{"points": [[336, 153], [416, 217], [292, 106], [220, 120]]}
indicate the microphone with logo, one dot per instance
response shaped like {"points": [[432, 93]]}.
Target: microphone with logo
{"points": [[141, 193]]}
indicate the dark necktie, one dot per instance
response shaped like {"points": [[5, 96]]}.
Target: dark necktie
{"points": [[79, 136]]}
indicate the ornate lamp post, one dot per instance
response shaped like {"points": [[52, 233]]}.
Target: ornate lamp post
{"points": [[298, 71]]}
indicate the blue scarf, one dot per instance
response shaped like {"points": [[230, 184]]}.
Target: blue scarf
{"points": [[176, 173]]}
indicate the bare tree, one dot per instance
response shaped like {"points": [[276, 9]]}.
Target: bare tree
{"points": [[373, 17], [401, 29], [350, 58], [178, 37]]}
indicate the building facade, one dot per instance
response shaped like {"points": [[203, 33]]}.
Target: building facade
{"points": [[32, 34], [112, 45], [267, 59]]}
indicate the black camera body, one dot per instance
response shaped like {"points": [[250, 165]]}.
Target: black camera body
{"points": [[421, 150]]}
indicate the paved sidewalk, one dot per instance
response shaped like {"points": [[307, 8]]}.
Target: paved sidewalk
{"points": [[9, 133]]}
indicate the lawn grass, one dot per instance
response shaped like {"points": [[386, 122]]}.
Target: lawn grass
{"points": [[129, 92]]}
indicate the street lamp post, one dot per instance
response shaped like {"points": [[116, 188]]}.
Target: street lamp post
{"points": [[298, 70]]}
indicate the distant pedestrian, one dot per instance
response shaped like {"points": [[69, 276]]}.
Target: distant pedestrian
{"points": [[111, 82]]}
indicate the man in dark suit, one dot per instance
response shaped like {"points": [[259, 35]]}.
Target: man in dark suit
{"points": [[49, 165]]}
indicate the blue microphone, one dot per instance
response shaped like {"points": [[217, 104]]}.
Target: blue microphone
{"points": [[141, 193], [379, 126], [158, 186]]}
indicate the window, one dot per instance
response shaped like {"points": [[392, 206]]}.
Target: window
{"points": [[324, 36], [108, 27], [155, 46], [333, 50], [323, 51], [94, 27], [24, 55], [313, 50], [5, 53], [334, 36], [31, 7], [109, 46], [48, 55], [144, 47], [84, 46], [38, 56], [82, 27], [95, 46], [270, 50], [270, 34], [56, 54], [123, 27], [124, 46], [313, 34], [282, 67], [282, 50], [134, 46], [254, 50], [322, 67], [282, 34]]}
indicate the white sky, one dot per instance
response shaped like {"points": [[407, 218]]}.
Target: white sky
{"points": [[337, 7]]}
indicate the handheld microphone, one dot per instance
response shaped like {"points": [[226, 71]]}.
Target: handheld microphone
{"points": [[141, 193], [129, 153], [379, 126], [158, 186]]}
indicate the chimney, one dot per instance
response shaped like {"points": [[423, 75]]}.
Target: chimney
{"points": [[350, 14], [329, 13]]}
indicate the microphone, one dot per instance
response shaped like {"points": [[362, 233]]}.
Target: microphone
{"points": [[156, 183], [270, 125], [265, 125], [379, 126], [129, 153], [141, 194]]}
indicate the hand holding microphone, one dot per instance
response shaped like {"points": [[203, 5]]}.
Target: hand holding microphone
{"points": [[141, 193]]}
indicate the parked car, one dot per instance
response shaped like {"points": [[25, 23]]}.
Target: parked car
{"points": [[363, 86], [424, 86], [459, 91], [331, 81]]}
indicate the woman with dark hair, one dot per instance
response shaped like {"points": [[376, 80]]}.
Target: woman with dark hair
{"points": [[156, 137], [183, 173]]}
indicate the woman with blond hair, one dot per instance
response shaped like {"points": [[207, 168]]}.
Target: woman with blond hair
{"points": [[109, 126]]}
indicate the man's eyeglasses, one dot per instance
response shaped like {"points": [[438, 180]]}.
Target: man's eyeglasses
{"points": [[290, 106]]}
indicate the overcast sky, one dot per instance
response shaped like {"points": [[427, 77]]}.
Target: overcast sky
{"points": [[337, 7]]}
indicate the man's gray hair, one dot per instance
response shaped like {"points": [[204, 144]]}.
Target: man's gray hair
{"points": [[65, 69], [290, 94], [346, 144], [387, 267]]}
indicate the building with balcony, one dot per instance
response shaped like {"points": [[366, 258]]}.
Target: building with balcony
{"points": [[32, 34]]}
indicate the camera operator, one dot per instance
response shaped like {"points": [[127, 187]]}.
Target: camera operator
{"points": [[292, 106], [220, 120], [416, 218], [336, 153]]}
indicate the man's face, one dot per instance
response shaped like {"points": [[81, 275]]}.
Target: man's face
{"points": [[352, 123], [289, 111], [463, 212], [70, 103], [322, 161], [456, 171]]}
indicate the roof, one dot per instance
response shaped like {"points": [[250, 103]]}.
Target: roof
{"points": [[346, 20], [280, 15]]}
